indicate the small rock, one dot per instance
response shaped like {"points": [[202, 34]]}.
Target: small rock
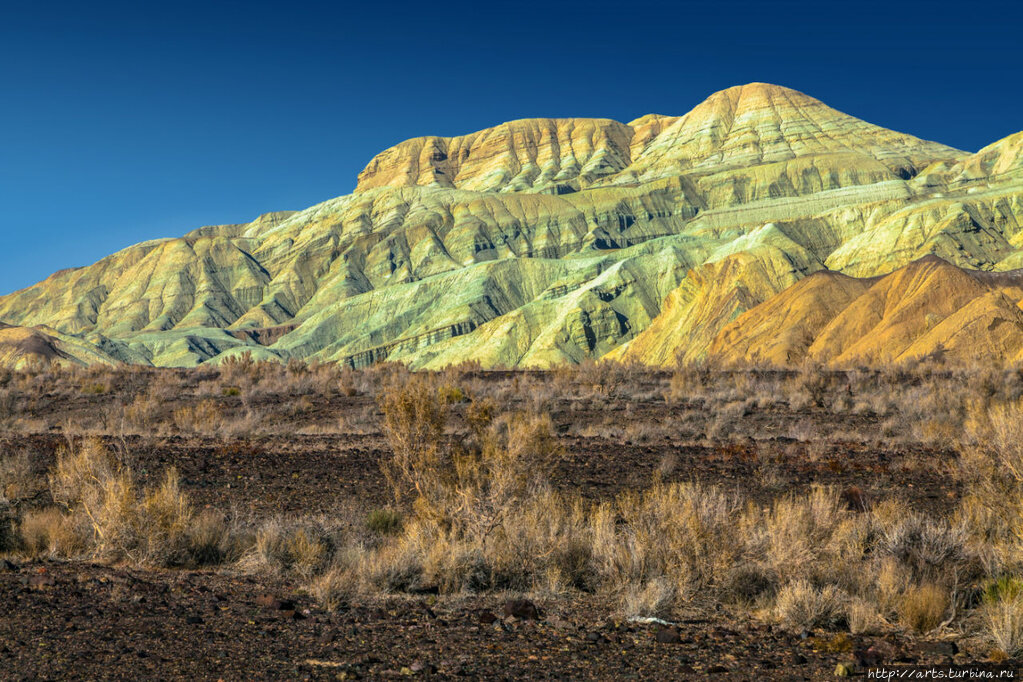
{"points": [[420, 667], [40, 580], [668, 636], [854, 499], [271, 603], [486, 617], [521, 608], [593, 637], [844, 670], [942, 648], [558, 623], [869, 658]]}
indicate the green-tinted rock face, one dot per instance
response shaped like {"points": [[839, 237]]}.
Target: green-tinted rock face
{"points": [[546, 241]]}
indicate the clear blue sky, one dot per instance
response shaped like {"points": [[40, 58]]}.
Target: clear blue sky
{"points": [[123, 122]]}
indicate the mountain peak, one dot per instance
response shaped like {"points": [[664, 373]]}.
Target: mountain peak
{"points": [[740, 126], [758, 89]]}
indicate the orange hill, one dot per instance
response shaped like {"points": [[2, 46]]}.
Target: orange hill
{"points": [[928, 307]]}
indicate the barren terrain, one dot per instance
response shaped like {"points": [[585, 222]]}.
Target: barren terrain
{"points": [[302, 448]]}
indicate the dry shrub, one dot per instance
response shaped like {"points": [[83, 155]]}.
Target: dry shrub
{"points": [[1003, 621], [652, 599], [213, 538], [687, 381], [301, 546], [605, 377], [334, 588], [466, 493], [414, 426], [143, 414], [801, 605], [799, 530], [746, 583], [863, 617], [809, 386], [242, 370], [685, 531], [47, 532], [8, 406], [396, 567], [384, 521], [932, 550], [891, 580], [347, 383], [166, 385], [204, 417], [145, 526], [991, 468], [922, 607], [17, 477], [472, 491], [545, 541]]}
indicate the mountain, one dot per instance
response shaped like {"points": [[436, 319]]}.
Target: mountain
{"points": [[544, 241]]}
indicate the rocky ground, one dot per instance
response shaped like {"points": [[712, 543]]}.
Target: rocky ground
{"points": [[92, 621], [65, 621]]}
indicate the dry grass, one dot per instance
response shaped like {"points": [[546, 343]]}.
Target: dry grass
{"points": [[1003, 619], [17, 477], [334, 588], [102, 512], [922, 608], [414, 421], [801, 605], [653, 599], [301, 546], [472, 510], [205, 417]]}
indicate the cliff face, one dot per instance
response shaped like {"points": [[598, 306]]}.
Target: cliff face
{"points": [[545, 241]]}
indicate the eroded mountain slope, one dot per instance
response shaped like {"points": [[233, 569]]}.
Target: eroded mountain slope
{"points": [[927, 308], [551, 240]]}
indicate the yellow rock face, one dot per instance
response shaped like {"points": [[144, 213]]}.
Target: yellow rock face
{"points": [[525, 155], [545, 241], [926, 308]]}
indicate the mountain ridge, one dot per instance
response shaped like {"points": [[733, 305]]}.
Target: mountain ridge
{"points": [[541, 242]]}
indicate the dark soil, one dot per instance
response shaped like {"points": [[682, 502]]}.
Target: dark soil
{"points": [[82, 621], [67, 621]]}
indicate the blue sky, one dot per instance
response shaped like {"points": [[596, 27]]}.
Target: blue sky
{"points": [[124, 122]]}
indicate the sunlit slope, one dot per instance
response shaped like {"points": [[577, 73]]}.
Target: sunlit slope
{"points": [[929, 308], [546, 241]]}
